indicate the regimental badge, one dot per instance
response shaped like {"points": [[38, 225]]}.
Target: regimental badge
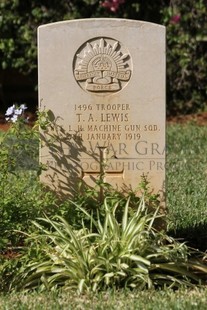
{"points": [[102, 65]]}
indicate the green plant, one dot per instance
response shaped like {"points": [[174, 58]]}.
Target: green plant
{"points": [[114, 253], [22, 197], [89, 198]]}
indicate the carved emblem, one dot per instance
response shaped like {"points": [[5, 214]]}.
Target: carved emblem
{"points": [[102, 65]]}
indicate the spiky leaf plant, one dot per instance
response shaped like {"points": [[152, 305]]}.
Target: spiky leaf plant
{"points": [[110, 253]]}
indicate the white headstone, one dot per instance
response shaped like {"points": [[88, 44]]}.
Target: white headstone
{"points": [[104, 82]]}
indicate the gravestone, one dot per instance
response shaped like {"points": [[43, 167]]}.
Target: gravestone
{"points": [[103, 83]]}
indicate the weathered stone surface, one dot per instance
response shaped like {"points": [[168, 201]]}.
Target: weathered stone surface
{"points": [[104, 82]]}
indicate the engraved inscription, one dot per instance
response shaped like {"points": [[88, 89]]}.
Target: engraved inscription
{"points": [[109, 122], [102, 65]]}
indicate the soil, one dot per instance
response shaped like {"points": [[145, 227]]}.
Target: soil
{"points": [[4, 125], [198, 119]]}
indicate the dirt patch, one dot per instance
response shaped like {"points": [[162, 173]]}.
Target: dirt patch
{"points": [[9, 254], [4, 125], [198, 119]]}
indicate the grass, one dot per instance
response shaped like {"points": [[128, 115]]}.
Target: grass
{"points": [[186, 183], [146, 300]]}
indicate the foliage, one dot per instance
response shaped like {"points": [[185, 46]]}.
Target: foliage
{"points": [[18, 24], [89, 199], [185, 21], [111, 253], [22, 197]]}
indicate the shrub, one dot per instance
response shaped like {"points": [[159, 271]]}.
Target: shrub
{"points": [[186, 24], [22, 197], [111, 252]]}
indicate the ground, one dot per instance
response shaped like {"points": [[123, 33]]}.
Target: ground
{"points": [[199, 118], [4, 125]]}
